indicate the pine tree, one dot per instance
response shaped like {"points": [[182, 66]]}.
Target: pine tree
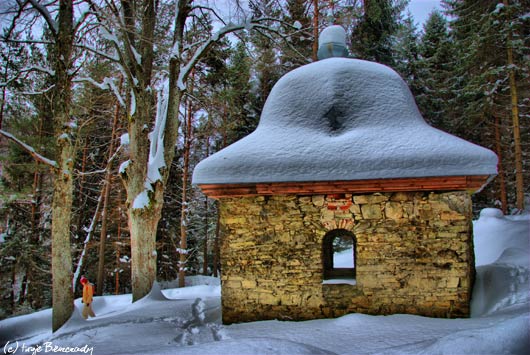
{"points": [[298, 50], [435, 71], [407, 54], [484, 80], [239, 94], [267, 67], [372, 36], [61, 28]]}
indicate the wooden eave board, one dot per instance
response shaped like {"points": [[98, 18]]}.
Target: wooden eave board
{"points": [[444, 183]]}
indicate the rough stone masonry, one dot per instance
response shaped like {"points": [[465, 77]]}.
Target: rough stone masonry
{"points": [[414, 254]]}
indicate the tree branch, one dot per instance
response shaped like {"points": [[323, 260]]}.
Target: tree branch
{"points": [[107, 84], [51, 163], [81, 20], [216, 37], [47, 16], [207, 8]]}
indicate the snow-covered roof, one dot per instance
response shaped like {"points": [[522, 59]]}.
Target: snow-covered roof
{"points": [[342, 119]]}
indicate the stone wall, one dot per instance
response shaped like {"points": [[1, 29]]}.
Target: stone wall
{"points": [[414, 255]]}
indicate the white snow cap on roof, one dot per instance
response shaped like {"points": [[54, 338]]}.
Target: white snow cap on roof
{"points": [[332, 43], [332, 34], [343, 119]]}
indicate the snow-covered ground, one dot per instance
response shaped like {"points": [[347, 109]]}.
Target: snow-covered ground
{"points": [[188, 320]]}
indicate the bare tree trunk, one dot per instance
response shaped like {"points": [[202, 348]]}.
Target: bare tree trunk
{"points": [[216, 249], [206, 215], [13, 288], [184, 201], [35, 222], [4, 90], [106, 195], [23, 289], [145, 196], [315, 29], [143, 222], [80, 192], [60, 52], [63, 297], [35, 204], [502, 181], [142, 226], [118, 256], [88, 238], [144, 207], [205, 245], [519, 182], [35, 235]]}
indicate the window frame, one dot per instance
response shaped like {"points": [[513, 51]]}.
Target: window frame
{"points": [[330, 272]]}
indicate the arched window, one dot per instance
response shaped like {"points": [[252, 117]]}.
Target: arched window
{"points": [[338, 254]]}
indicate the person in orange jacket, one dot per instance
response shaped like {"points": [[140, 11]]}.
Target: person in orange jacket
{"points": [[88, 293]]}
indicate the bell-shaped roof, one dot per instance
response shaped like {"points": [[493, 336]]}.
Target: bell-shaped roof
{"points": [[342, 119]]}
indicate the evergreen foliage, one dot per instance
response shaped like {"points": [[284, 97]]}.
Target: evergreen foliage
{"points": [[457, 67], [480, 102], [437, 60], [372, 37], [407, 54]]}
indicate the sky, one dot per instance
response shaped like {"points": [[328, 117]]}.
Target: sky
{"points": [[421, 9]]}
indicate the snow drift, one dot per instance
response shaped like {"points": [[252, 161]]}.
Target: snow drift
{"points": [[176, 321]]}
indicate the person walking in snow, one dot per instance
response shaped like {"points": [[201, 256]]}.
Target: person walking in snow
{"points": [[88, 293]]}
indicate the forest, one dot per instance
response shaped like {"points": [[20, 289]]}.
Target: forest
{"points": [[107, 106]]}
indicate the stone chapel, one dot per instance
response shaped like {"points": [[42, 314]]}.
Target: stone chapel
{"points": [[342, 162]]}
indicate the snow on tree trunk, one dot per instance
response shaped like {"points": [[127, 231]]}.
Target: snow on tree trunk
{"points": [[146, 173], [146, 178]]}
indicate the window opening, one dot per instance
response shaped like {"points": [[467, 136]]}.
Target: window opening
{"points": [[339, 252]]}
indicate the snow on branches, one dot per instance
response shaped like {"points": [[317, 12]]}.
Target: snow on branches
{"points": [[30, 150]]}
